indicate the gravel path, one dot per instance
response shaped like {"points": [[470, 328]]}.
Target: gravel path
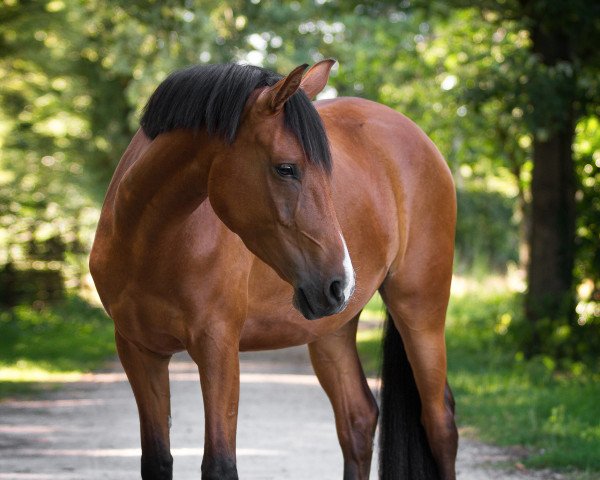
{"points": [[88, 430]]}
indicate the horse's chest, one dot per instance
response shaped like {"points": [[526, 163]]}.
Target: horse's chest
{"points": [[165, 292]]}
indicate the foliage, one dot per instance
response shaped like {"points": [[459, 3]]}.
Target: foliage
{"points": [[20, 286], [75, 75], [490, 211], [505, 398], [587, 266]]}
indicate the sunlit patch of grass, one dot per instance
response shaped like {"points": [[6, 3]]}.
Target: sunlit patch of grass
{"points": [[374, 311], [32, 371], [52, 344], [505, 399], [369, 349]]}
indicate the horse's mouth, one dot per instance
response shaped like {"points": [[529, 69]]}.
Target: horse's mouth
{"points": [[303, 305]]}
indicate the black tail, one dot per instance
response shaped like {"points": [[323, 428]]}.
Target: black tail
{"points": [[404, 452]]}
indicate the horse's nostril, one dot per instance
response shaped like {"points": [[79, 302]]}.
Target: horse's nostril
{"points": [[337, 291]]}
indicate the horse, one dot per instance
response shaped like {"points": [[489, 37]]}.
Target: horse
{"points": [[243, 216]]}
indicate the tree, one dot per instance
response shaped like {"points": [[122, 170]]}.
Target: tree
{"points": [[562, 35]]}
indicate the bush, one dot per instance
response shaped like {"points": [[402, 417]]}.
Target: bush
{"points": [[486, 234]]}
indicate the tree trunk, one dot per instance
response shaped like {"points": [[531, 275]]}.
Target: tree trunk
{"points": [[550, 299], [550, 293], [522, 209]]}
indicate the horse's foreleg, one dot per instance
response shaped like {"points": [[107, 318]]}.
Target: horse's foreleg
{"points": [[336, 363], [148, 376], [420, 320], [216, 354]]}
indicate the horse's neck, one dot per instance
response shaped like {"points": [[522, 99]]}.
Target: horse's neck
{"points": [[165, 185]]}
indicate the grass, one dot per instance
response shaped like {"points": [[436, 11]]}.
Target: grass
{"points": [[39, 347], [507, 400]]}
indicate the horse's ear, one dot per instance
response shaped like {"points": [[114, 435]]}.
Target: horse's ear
{"points": [[274, 98], [316, 78]]}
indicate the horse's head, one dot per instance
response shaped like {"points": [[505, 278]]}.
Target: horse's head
{"points": [[276, 196]]}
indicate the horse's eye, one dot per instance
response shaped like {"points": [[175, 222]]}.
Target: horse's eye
{"points": [[287, 170]]}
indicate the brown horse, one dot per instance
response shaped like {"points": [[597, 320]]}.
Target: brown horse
{"points": [[236, 196]]}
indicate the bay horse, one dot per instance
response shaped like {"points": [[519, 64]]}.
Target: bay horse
{"points": [[244, 217]]}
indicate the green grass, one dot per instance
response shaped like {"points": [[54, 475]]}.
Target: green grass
{"points": [[39, 347], [507, 400]]}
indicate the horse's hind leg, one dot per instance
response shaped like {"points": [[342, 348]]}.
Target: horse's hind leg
{"points": [[419, 316], [336, 363], [148, 376]]}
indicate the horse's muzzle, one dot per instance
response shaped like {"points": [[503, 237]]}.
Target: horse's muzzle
{"points": [[315, 303]]}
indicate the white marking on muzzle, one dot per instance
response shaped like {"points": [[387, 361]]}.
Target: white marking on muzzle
{"points": [[349, 272]]}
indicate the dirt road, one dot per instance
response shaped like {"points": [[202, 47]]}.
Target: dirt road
{"points": [[88, 430]]}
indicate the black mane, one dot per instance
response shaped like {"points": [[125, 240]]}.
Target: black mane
{"points": [[213, 97]]}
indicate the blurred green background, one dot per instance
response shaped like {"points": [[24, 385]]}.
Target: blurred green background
{"points": [[509, 91]]}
